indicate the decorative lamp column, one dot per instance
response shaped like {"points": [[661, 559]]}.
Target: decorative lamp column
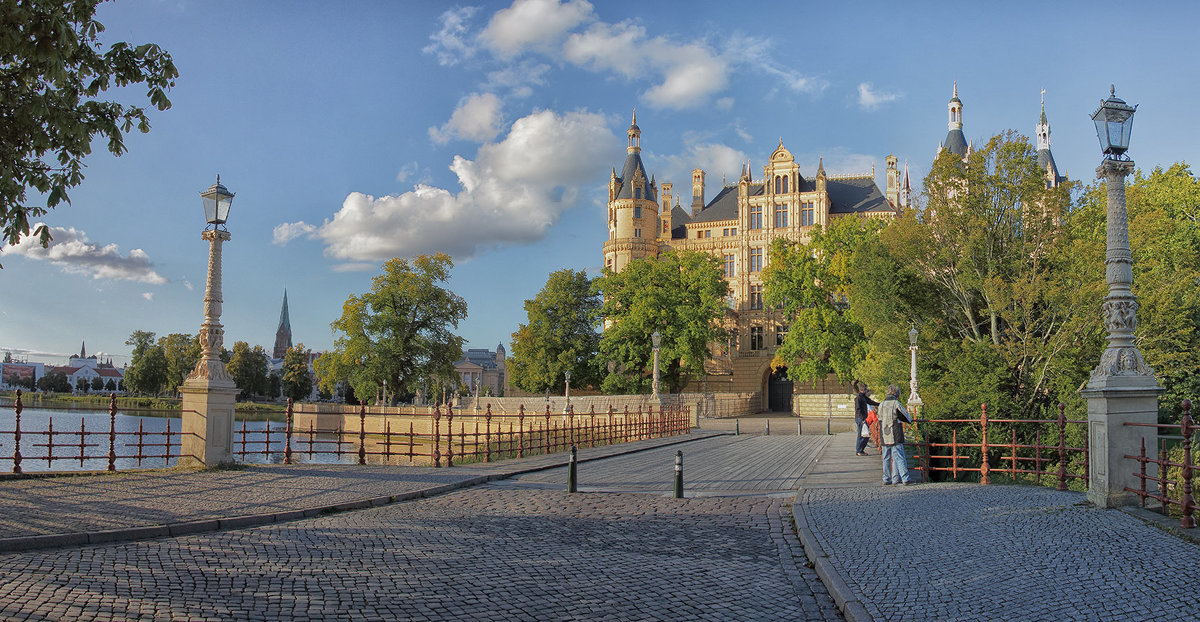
{"points": [[914, 399], [1122, 389], [656, 341], [567, 391], [209, 391]]}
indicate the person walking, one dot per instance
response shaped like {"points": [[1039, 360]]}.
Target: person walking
{"points": [[892, 417], [861, 402]]}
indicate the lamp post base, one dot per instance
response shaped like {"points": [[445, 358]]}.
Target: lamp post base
{"points": [[1113, 402], [207, 422]]}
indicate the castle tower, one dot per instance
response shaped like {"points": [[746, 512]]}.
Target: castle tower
{"points": [[1045, 159], [893, 181], [955, 142], [697, 191], [283, 334], [633, 218]]}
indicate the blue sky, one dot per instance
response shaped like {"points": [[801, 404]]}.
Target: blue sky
{"points": [[353, 132]]}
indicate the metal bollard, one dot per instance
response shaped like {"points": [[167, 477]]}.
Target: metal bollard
{"points": [[679, 474], [736, 427], [768, 429], [799, 427], [571, 477]]}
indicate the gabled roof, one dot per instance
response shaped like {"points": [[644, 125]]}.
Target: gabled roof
{"points": [[724, 205], [633, 165], [855, 195]]}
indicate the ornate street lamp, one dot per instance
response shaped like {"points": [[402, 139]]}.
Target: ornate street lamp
{"points": [[1122, 389], [567, 376], [656, 341], [209, 391], [914, 399]]}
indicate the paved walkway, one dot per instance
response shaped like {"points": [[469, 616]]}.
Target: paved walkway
{"points": [[951, 551]]}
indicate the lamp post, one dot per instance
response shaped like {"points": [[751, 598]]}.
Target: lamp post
{"points": [[209, 391], [914, 399], [1122, 389], [567, 392], [656, 341]]}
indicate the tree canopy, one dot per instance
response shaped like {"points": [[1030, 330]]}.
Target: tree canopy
{"points": [[248, 368], [811, 282], [54, 68], [679, 294], [399, 332], [297, 382], [561, 335]]}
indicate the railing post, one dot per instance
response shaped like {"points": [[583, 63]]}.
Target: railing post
{"points": [[1142, 473], [487, 434], [450, 437], [1187, 504], [362, 434], [437, 431], [546, 431], [983, 466], [1062, 447], [521, 431], [287, 435], [17, 435], [112, 432], [737, 429]]}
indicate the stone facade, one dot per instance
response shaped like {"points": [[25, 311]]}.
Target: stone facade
{"points": [[738, 226]]}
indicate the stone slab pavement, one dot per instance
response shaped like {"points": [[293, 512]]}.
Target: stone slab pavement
{"points": [[951, 551], [490, 552]]}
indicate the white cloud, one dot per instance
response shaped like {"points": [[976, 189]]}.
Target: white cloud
{"points": [[477, 118], [511, 193], [406, 171], [725, 104], [71, 251], [686, 74], [188, 285], [148, 296], [452, 44], [716, 159], [519, 78], [288, 231], [870, 99], [532, 24], [755, 53]]}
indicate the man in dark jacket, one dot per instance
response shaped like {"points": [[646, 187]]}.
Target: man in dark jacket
{"points": [[861, 402]]}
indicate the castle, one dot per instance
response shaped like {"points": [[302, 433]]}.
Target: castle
{"points": [[739, 224]]}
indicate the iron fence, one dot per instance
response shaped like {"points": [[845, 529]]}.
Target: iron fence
{"points": [[1170, 482]]}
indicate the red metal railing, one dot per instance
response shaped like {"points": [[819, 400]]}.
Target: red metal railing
{"points": [[103, 447], [1015, 453], [478, 439], [1171, 486]]}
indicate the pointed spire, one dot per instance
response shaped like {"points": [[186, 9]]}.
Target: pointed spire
{"points": [[821, 165], [1042, 120], [634, 123], [83, 350], [956, 89], [635, 135]]}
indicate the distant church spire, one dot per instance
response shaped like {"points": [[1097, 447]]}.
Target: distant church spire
{"points": [[283, 334]]}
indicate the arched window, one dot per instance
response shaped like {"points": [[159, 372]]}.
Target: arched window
{"points": [[785, 179], [777, 191]]}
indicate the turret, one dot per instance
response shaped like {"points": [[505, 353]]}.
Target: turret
{"points": [[697, 191], [633, 222], [955, 142], [893, 181]]}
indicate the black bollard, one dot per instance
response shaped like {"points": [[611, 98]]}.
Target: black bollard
{"points": [[736, 427], [571, 471], [679, 474], [768, 432]]}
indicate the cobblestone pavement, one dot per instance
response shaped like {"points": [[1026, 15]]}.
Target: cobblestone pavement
{"points": [[97, 502], [968, 552], [489, 552]]}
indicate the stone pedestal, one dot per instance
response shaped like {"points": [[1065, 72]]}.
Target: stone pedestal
{"points": [[207, 422], [1112, 402]]}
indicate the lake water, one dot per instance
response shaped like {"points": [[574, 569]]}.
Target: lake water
{"points": [[67, 424]]}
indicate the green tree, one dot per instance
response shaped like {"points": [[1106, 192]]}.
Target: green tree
{"points": [[97, 384], [397, 333], [54, 67], [147, 371], [561, 335], [182, 352], [110, 385], [679, 294], [54, 381], [297, 382], [811, 282], [274, 385], [248, 367]]}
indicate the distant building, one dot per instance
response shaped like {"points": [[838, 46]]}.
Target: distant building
{"points": [[283, 334], [485, 368], [83, 367], [16, 374]]}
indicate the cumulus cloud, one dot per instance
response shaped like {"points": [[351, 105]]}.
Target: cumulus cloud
{"points": [[288, 231], [686, 74], [452, 43], [148, 296], [511, 193], [477, 118], [71, 251], [870, 99], [715, 159], [406, 171], [519, 78], [532, 24]]}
